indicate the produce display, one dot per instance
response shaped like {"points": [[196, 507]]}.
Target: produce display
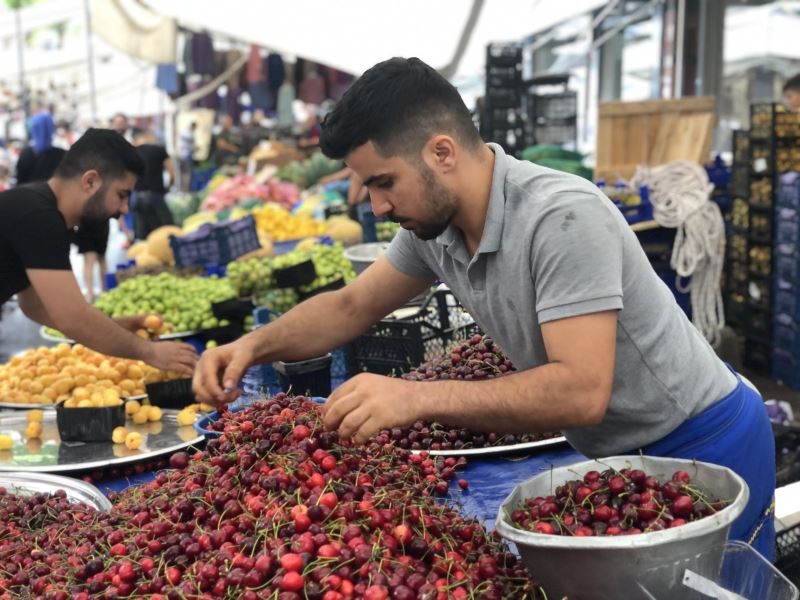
{"points": [[386, 230], [624, 502], [155, 251], [224, 193], [473, 359], [306, 173], [277, 507], [280, 225], [184, 303], [256, 275], [73, 373]]}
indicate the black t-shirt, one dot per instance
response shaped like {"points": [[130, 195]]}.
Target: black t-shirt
{"points": [[33, 235], [38, 167], [153, 156]]}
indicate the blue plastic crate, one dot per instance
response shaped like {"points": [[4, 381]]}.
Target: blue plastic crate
{"points": [[216, 244], [787, 267], [200, 178], [789, 190], [786, 368], [786, 339], [786, 302]]}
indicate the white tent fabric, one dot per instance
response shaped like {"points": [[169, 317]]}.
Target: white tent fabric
{"points": [[352, 35]]}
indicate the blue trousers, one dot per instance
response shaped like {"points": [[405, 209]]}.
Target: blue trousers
{"points": [[735, 433]]}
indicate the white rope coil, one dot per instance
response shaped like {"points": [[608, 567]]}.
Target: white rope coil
{"points": [[681, 196]]}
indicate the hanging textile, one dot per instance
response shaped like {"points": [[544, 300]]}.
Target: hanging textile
{"points": [[134, 29], [255, 65]]}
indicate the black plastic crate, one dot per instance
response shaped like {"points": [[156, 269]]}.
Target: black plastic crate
{"points": [[395, 346], [758, 356], [761, 227], [741, 147], [555, 134], [546, 108], [505, 97], [500, 76], [500, 55], [740, 180], [760, 260], [787, 546], [787, 454], [310, 377], [737, 247]]}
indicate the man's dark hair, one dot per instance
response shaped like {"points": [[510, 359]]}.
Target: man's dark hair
{"points": [[103, 150], [793, 83], [397, 105]]}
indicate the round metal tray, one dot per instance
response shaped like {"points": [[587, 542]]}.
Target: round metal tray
{"points": [[177, 335], [49, 454], [20, 406], [497, 450], [27, 484]]}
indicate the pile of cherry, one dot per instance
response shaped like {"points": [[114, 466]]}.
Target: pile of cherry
{"points": [[477, 358], [274, 508], [624, 502]]}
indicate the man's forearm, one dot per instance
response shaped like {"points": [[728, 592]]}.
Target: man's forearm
{"points": [[310, 329], [101, 333], [547, 398]]}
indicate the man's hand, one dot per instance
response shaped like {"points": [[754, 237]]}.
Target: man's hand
{"points": [[219, 371], [367, 403], [133, 323], [173, 356]]}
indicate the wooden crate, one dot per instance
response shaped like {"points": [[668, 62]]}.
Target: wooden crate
{"points": [[653, 132]]}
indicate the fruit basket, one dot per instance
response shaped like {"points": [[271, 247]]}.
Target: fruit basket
{"points": [[627, 566], [312, 376]]}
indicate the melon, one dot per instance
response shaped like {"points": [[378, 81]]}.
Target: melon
{"points": [[347, 231], [137, 249], [158, 243]]}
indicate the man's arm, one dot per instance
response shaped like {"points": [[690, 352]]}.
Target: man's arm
{"points": [[310, 329], [62, 302], [572, 390], [169, 167]]}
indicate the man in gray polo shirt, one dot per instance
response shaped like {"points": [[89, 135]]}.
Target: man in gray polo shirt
{"points": [[547, 266]]}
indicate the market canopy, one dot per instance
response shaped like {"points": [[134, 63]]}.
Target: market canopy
{"points": [[450, 35]]}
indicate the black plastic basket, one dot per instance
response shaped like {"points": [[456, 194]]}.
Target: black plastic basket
{"points": [[311, 377], [787, 454], [787, 546], [334, 285], [395, 346], [224, 334], [175, 394], [233, 309], [88, 424], [300, 274]]}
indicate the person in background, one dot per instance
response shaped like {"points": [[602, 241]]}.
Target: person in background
{"points": [[120, 124], [91, 237], [38, 161], [791, 91], [150, 209], [227, 144], [186, 147], [93, 182]]}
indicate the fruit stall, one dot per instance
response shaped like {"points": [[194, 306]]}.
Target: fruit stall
{"points": [[116, 483]]}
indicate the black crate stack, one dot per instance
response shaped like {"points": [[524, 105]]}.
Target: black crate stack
{"points": [[502, 120], [736, 269], [785, 147], [552, 117], [772, 152]]}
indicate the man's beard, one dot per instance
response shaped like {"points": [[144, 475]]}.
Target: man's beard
{"points": [[441, 203], [95, 210]]}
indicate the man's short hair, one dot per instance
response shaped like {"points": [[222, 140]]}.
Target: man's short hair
{"points": [[397, 105], [103, 150], [793, 83]]}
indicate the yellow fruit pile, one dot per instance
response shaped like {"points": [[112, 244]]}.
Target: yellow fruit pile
{"points": [[49, 375], [280, 225]]}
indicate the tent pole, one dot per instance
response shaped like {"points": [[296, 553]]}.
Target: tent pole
{"points": [[90, 59], [23, 93]]}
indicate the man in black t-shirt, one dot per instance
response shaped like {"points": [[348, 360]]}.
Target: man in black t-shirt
{"points": [[150, 210], [93, 182]]}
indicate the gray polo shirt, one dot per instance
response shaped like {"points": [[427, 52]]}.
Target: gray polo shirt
{"points": [[555, 247]]}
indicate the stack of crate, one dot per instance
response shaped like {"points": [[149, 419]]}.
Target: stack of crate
{"points": [[736, 276], [552, 115], [503, 120], [772, 153]]}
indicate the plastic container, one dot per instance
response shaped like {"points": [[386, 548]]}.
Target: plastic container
{"points": [[746, 573], [310, 377], [300, 274], [216, 244], [645, 566], [175, 394], [88, 424], [233, 309]]}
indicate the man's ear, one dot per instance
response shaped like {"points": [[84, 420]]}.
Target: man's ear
{"points": [[440, 153], [91, 181]]}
